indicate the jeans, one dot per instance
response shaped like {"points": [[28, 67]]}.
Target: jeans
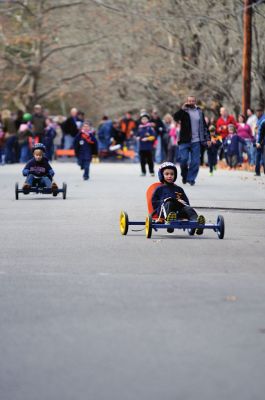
{"points": [[161, 149], [10, 149], [260, 159], [189, 161], [43, 181], [24, 153], [68, 142]]}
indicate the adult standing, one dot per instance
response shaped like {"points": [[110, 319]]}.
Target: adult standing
{"points": [[10, 137], [260, 144], [70, 129], [244, 131], [223, 121], [193, 133], [161, 134], [38, 123]]}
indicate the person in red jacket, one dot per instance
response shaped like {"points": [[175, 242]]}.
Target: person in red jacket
{"points": [[222, 126], [223, 121]]}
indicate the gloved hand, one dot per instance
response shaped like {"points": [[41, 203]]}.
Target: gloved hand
{"points": [[25, 172]]}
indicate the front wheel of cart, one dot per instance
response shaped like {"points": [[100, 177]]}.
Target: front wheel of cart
{"points": [[148, 227]]}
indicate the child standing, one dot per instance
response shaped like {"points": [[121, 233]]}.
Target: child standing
{"points": [[231, 147], [170, 202], [146, 136], [212, 150], [85, 145], [39, 168]]}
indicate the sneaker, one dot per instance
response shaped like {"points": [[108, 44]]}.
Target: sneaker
{"points": [[201, 221], [152, 174], [26, 188], [184, 181], [142, 174], [54, 189], [172, 216], [211, 173], [192, 183]]}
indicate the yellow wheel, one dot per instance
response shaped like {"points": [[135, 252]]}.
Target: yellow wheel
{"points": [[148, 227], [124, 223]]}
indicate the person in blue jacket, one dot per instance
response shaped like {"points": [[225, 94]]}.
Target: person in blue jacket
{"points": [[85, 145], [39, 168], [170, 202], [146, 136], [231, 146]]}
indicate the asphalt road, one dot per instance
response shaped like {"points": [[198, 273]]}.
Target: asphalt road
{"points": [[86, 313]]}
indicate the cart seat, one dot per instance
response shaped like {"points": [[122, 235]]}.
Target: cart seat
{"points": [[149, 194]]}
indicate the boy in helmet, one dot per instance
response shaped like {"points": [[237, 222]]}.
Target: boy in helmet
{"points": [[39, 167], [170, 201]]}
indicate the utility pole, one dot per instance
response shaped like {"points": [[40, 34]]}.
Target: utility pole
{"points": [[247, 50]]}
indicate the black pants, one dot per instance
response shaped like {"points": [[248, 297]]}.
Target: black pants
{"points": [[183, 212], [212, 158], [146, 157]]}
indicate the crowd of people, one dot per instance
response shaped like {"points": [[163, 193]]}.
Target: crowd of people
{"points": [[187, 137]]}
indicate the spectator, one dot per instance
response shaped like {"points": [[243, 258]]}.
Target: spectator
{"points": [[260, 159], [2, 141], [10, 137], [223, 121], [24, 133], [117, 137], [193, 133], [244, 131], [251, 120], [172, 131], [161, 134], [104, 136], [38, 124], [48, 139], [231, 146], [146, 136], [127, 126], [70, 129], [212, 151]]}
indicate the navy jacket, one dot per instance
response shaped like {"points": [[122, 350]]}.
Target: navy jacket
{"points": [[38, 168], [84, 148], [168, 191], [145, 131], [231, 144]]}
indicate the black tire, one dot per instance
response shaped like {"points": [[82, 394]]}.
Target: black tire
{"points": [[148, 227], [221, 226], [16, 191], [64, 190], [124, 222]]}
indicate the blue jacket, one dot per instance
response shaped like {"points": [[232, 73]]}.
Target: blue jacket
{"points": [[231, 144], [38, 168], [168, 191], [145, 131], [85, 147], [261, 129]]}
